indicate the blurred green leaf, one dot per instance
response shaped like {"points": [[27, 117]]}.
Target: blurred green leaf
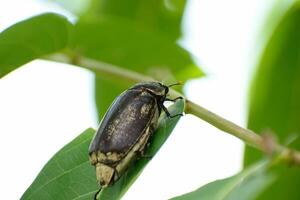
{"points": [[163, 16], [31, 39], [165, 127], [77, 7], [157, 15], [69, 175], [246, 185], [124, 44], [275, 98]]}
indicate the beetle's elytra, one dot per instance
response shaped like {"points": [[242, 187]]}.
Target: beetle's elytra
{"points": [[125, 130]]}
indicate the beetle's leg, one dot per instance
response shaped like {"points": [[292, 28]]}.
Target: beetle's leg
{"points": [[168, 113], [165, 109], [96, 194], [180, 114], [141, 153], [173, 100], [116, 175]]}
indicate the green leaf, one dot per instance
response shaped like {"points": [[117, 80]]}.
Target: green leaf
{"points": [[165, 127], [125, 44], [163, 16], [69, 175], [158, 15], [275, 97], [31, 39], [246, 185], [77, 7]]}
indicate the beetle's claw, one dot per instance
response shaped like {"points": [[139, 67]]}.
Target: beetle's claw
{"points": [[174, 100], [173, 116], [96, 194]]}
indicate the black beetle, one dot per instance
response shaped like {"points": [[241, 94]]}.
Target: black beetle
{"points": [[125, 130]]}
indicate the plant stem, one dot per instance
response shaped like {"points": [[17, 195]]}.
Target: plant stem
{"points": [[101, 68], [248, 136]]}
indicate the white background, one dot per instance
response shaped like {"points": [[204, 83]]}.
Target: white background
{"points": [[45, 105]]}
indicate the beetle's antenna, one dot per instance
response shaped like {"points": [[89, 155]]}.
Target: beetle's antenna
{"points": [[178, 83], [96, 194]]}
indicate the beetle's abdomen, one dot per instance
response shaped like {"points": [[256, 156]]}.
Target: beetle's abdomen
{"points": [[125, 122]]}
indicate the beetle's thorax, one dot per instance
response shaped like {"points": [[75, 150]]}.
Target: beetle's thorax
{"points": [[154, 88]]}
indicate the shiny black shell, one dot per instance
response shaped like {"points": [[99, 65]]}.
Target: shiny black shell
{"points": [[128, 117]]}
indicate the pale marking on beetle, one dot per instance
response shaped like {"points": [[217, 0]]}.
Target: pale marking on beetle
{"points": [[145, 110], [100, 156], [113, 156], [104, 173], [93, 158], [121, 167]]}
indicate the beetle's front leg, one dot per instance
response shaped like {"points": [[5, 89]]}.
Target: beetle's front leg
{"points": [[168, 113], [172, 116], [173, 100]]}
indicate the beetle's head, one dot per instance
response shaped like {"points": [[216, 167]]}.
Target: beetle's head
{"points": [[156, 88]]}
